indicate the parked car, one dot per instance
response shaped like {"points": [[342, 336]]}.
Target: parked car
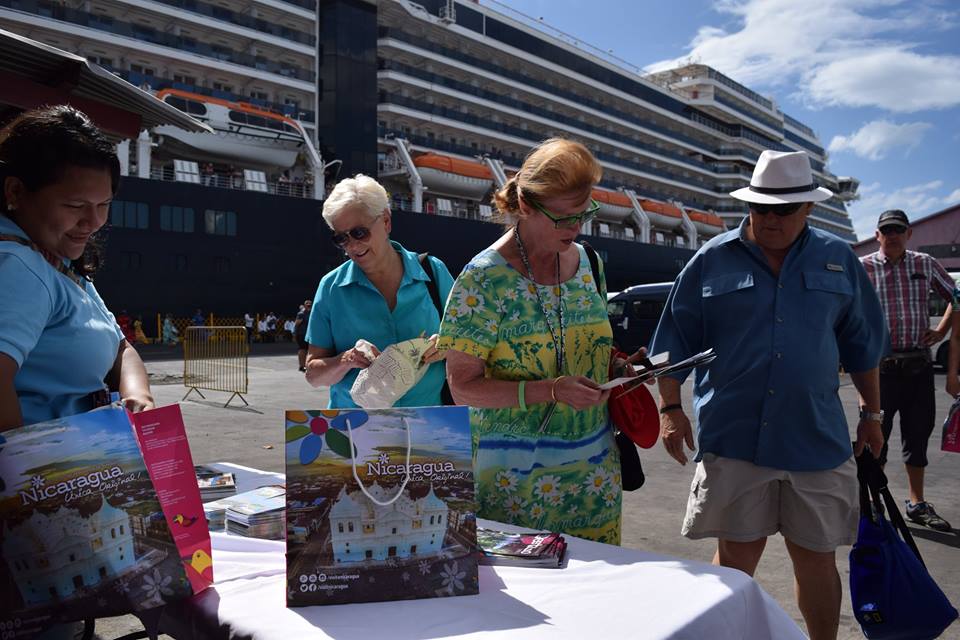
{"points": [[635, 312]]}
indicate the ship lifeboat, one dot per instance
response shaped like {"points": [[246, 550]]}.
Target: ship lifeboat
{"points": [[614, 206], [445, 175], [243, 133], [662, 215], [708, 224]]}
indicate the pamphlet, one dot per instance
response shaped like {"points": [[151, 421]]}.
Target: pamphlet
{"points": [[661, 367], [531, 549]]}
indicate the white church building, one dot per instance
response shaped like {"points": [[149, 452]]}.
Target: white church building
{"points": [[363, 530], [53, 556]]}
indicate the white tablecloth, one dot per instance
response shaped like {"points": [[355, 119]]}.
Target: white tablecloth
{"points": [[604, 592]]}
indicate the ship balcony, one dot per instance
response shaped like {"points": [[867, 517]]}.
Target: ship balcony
{"points": [[236, 19], [178, 46], [391, 38], [485, 128]]}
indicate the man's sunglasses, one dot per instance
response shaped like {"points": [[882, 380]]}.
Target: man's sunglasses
{"points": [[780, 210], [893, 230], [357, 233], [569, 222]]}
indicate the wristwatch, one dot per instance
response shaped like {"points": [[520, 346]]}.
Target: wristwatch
{"points": [[867, 415]]}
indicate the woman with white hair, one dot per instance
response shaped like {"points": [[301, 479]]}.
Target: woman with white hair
{"points": [[378, 297]]}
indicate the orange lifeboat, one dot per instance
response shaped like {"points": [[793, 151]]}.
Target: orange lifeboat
{"points": [[662, 215], [614, 206], [706, 223], [444, 175]]}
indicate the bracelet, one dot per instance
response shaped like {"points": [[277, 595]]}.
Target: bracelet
{"points": [[521, 401], [553, 388], [670, 407]]}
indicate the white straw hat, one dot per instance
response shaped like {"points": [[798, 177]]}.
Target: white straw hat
{"points": [[782, 177]]}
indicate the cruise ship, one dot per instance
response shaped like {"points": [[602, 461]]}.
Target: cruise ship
{"points": [[438, 98]]}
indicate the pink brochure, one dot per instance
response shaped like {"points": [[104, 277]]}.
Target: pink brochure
{"points": [[166, 453]]}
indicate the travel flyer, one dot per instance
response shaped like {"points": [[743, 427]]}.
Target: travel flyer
{"points": [[380, 505], [83, 532]]}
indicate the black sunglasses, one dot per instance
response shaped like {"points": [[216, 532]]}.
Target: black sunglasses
{"points": [[893, 230], [781, 210], [357, 233]]}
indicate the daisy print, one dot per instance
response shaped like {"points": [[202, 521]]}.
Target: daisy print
{"points": [[470, 301], [490, 325], [583, 302], [514, 505], [527, 289], [610, 497], [555, 500], [505, 481], [547, 486], [595, 481], [537, 511], [501, 306]]}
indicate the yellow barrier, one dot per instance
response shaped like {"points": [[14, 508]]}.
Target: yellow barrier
{"points": [[215, 358]]}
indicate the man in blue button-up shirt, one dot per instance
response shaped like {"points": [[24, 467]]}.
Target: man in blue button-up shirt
{"points": [[784, 305]]}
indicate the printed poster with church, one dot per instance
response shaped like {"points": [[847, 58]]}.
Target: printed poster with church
{"points": [[380, 505], [83, 533]]}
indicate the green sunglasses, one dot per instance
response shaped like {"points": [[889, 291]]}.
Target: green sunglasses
{"points": [[569, 222]]}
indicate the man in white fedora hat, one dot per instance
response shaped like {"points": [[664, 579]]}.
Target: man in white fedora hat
{"points": [[784, 305]]}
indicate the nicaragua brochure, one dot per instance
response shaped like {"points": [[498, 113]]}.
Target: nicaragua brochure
{"points": [[254, 514], [87, 530], [380, 505]]}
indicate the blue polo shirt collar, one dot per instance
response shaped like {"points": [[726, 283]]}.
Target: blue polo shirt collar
{"points": [[412, 270]]}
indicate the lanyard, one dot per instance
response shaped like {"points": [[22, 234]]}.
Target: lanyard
{"points": [[558, 341]]}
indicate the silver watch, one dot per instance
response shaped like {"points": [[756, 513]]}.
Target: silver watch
{"points": [[867, 415]]}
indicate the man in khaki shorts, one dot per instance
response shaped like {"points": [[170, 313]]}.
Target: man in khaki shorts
{"points": [[784, 305]]}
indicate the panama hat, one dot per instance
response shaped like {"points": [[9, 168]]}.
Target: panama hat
{"points": [[782, 177]]}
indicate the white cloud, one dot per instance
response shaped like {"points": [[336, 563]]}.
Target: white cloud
{"points": [[837, 52], [892, 78], [874, 139], [916, 200]]}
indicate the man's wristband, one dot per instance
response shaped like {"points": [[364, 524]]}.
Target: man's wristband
{"points": [[670, 407]]}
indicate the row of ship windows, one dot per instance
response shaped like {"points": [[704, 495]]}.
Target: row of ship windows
{"points": [[176, 263], [136, 215]]}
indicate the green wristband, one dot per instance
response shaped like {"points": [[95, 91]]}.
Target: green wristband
{"points": [[520, 399]]}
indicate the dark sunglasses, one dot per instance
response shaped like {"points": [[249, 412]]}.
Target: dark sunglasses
{"points": [[780, 210], [569, 222], [357, 233], [893, 230]]}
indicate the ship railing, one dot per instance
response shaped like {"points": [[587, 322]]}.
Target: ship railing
{"points": [[236, 181]]}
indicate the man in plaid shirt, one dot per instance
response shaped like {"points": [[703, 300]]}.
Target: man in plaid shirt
{"points": [[903, 280]]}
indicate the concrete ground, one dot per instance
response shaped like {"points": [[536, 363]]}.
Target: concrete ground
{"points": [[253, 436]]}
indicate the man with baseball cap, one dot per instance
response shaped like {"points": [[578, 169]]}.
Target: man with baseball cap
{"points": [[903, 280], [784, 305]]}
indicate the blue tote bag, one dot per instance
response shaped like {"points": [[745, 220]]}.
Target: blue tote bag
{"points": [[893, 595]]}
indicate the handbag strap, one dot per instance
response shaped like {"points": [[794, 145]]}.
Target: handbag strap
{"points": [[594, 263], [875, 493]]}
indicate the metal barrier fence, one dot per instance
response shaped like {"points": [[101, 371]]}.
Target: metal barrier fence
{"points": [[215, 358]]}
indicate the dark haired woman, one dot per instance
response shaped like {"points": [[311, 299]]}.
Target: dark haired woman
{"points": [[529, 340], [61, 350]]}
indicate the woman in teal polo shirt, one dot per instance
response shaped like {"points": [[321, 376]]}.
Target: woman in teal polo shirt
{"points": [[60, 348], [378, 297]]}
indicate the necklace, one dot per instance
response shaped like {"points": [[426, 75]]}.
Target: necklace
{"points": [[557, 337]]}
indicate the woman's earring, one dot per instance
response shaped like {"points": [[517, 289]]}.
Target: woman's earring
{"points": [[10, 206]]}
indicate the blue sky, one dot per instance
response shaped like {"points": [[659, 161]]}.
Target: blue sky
{"points": [[878, 80]]}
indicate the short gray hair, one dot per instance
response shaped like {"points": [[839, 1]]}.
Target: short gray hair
{"points": [[358, 190]]}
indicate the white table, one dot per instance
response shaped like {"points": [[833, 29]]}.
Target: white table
{"points": [[604, 592]]}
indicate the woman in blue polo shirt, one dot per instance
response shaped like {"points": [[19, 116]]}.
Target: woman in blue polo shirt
{"points": [[378, 297], [60, 348]]}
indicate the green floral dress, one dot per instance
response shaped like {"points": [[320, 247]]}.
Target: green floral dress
{"points": [[566, 477]]}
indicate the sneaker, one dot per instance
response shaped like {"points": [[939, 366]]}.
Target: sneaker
{"points": [[302, 369], [924, 514]]}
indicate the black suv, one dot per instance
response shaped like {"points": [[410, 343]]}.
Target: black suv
{"points": [[635, 312]]}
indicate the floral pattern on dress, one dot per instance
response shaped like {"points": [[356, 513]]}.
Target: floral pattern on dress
{"points": [[565, 478]]}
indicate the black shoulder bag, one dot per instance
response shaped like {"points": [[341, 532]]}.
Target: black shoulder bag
{"points": [[631, 471], [445, 396]]}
